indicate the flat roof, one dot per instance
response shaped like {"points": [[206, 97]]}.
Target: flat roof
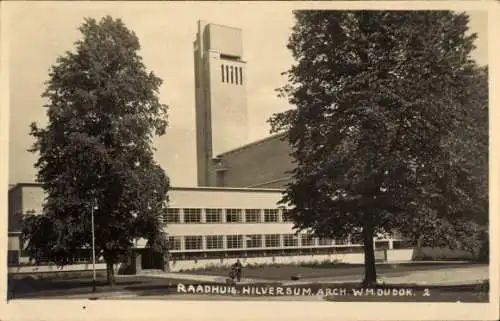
{"points": [[188, 188], [254, 143]]}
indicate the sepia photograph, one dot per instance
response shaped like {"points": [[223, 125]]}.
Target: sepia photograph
{"points": [[250, 152]]}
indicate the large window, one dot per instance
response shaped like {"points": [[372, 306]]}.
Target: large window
{"points": [[192, 215], [234, 241], [284, 213], [271, 215], [193, 242], [173, 215], [290, 240], [307, 240], [252, 216], [213, 215], [272, 240], [324, 241], [253, 241], [215, 242], [343, 241], [174, 243], [233, 215]]}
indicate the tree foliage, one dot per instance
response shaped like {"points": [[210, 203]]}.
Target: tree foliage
{"points": [[96, 151], [390, 111]]}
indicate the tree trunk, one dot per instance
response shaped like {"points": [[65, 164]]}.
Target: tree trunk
{"points": [[110, 273], [368, 246]]}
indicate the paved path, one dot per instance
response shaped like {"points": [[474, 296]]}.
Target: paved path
{"points": [[442, 276], [451, 276], [200, 278], [447, 276]]}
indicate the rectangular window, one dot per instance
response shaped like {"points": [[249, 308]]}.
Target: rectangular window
{"points": [[232, 78], [241, 76], [222, 72], [233, 215], [290, 240], [307, 240], [213, 215], [271, 216], [173, 215], [193, 242], [13, 257], [227, 74], [174, 243], [192, 215], [236, 75], [324, 242], [234, 241], [343, 241], [215, 242], [284, 214], [253, 241], [252, 216], [272, 240]]}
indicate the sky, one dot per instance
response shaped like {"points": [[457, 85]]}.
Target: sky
{"points": [[39, 32]]}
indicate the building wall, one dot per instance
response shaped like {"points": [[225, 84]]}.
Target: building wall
{"points": [[15, 208], [261, 164], [186, 197], [350, 258]]}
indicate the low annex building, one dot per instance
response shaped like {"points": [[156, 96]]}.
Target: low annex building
{"points": [[211, 226]]}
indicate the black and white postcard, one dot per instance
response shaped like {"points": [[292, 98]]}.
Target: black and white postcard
{"points": [[247, 160]]}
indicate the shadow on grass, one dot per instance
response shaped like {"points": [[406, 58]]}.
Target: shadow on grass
{"points": [[143, 286]]}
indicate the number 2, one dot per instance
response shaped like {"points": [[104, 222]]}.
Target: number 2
{"points": [[426, 292]]}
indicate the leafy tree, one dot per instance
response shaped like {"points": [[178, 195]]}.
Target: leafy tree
{"points": [[383, 102], [96, 151]]}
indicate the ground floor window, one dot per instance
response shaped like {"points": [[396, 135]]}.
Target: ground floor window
{"points": [[174, 243], [307, 240], [215, 242], [253, 241], [193, 242], [290, 240], [272, 240], [325, 242], [234, 241]]}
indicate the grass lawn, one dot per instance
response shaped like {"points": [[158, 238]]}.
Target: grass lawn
{"points": [[46, 288], [285, 272]]}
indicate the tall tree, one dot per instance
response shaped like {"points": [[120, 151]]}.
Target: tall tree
{"points": [[96, 152], [378, 97]]}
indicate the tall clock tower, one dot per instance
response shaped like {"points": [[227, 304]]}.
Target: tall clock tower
{"points": [[220, 95]]}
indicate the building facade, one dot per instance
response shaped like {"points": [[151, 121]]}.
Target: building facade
{"points": [[207, 225], [234, 212]]}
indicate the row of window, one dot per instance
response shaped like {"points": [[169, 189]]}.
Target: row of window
{"points": [[218, 215], [214, 242], [231, 74]]}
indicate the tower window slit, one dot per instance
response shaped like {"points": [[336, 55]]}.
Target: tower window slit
{"points": [[236, 75], [241, 76], [222, 72], [227, 73], [232, 75]]}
